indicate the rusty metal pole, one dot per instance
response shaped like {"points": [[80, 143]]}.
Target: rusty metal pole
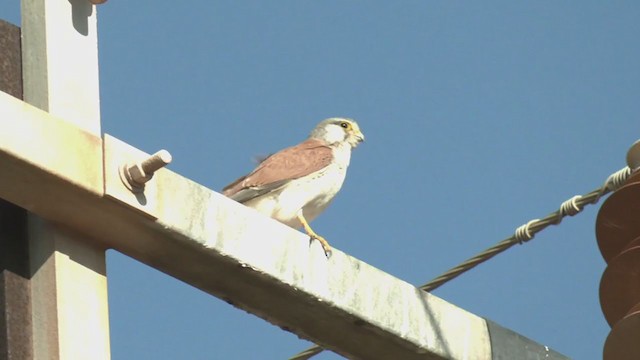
{"points": [[618, 234], [15, 293]]}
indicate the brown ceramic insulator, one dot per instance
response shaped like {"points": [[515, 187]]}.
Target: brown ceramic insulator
{"points": [[618, 219], [620, 284], [622, 342]]}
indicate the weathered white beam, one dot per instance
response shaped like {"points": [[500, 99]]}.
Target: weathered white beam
{"points": [[68, 274], [60, 60], [226, 249], [69, 294]]}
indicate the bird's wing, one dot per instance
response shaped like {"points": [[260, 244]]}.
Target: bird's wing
{"points": [[280, 168]]}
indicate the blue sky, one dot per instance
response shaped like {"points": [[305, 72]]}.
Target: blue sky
{"points": [[479, 116]]}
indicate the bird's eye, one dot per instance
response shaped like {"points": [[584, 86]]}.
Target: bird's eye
{"points": [[344, 125]]}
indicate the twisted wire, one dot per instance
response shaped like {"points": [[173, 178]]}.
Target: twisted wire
{"points": [[526, 232], [521, 235]]}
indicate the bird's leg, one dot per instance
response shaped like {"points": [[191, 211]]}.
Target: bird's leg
{"points": [[313, 236]]}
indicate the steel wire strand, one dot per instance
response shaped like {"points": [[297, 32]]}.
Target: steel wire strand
{"points": [[526, 232], [522, 234]]}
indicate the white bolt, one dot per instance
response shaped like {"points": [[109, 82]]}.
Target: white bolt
{"points": [[136, 175]]}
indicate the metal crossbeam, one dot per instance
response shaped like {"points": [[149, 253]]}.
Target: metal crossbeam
{"points": [[224, 248]]}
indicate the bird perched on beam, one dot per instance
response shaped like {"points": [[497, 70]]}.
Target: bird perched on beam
{"points": [[296, 184]]}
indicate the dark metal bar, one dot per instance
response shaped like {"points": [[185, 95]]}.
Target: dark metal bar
{"points": [[15, 292]]}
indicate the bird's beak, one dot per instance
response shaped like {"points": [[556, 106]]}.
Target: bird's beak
{"points": [[359, 136]]}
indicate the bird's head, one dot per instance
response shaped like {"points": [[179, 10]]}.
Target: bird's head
{"points": [[338, 131]]}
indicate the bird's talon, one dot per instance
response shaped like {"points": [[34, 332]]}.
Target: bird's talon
{"points": [[324, 243]]}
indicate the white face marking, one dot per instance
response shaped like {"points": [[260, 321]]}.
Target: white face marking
{"points": [[334, 133]]}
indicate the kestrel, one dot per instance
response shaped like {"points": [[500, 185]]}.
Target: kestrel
{"points": [[296, 184]]}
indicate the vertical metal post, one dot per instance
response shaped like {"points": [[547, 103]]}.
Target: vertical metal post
{"points": [[68, 274], [15, 292], [60, 60]]}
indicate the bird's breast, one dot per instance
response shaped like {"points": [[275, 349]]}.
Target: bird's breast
{"points": [[342, 156], [326, 186], [311, 193]]}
